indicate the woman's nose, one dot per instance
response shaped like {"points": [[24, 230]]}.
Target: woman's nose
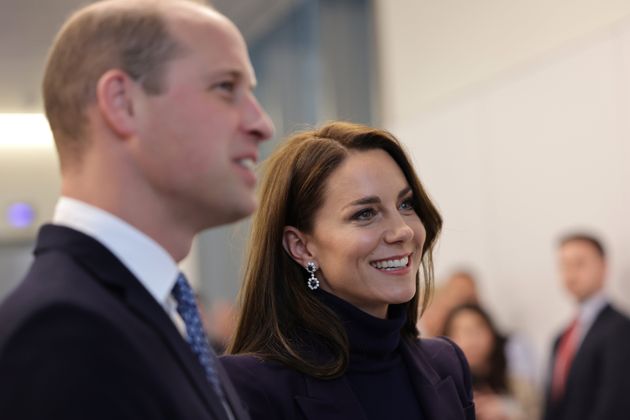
{"points": [[399, 231]]}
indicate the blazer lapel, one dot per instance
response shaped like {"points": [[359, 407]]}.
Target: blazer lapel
{"points": [[438, 396], [231, 395], [107, 269], [143, 304], [331, 399], [588, 341], [145, 307]]}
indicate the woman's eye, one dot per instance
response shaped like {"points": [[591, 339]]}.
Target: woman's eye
{"points": [[407, 204], [365, 214]]}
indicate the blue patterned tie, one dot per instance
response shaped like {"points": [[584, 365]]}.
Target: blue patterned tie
{"points": [[187, 309]]}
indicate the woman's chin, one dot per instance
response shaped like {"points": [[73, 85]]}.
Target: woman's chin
{"points": [[403, 296]]}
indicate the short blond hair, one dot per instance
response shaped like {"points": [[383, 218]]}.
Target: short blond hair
{"points": [[129, 35]]}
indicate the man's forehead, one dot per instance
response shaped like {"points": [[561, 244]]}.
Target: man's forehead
{"points": [[213, 35], [186, 14], [579, 249]]}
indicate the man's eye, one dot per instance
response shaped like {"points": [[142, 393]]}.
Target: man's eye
{"points": [[227, 86]]}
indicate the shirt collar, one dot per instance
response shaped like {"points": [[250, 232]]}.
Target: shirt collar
{"points": [[146, 259], [593, 305], [590, 309]]}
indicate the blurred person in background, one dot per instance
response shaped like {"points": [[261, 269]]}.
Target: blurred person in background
{"points": [[589, 377], [151, 107], [329, 304], [458, 289], [220, 323], [498, 395], [461, 288]]}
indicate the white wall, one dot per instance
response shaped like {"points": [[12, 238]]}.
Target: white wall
{"points": [[516, 157], [28, 172], [431, 49]]}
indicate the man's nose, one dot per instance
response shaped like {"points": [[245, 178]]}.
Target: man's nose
{"points": [[256, 120]]}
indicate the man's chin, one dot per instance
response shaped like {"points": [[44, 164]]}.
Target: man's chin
{"points": [[241, 211]]}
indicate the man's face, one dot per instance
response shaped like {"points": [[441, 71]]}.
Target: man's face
{"points": [[582, 269], [198, 141]]}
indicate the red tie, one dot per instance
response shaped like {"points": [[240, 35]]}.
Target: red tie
{"points": [[564, 356]]}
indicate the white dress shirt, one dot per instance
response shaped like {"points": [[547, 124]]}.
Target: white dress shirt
{"points": [[588, 312], [156, 270]]}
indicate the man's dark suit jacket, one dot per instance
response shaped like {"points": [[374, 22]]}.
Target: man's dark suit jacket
{"points": [[81, 338], [598, 385], [440, 377]]}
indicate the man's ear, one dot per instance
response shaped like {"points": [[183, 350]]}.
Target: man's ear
{"points": [[115, 101], [296, 244]]}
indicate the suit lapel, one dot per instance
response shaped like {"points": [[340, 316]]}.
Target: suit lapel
{"points": [[331, 399], [437, 396], [145, 307], [559, 404], [109, 271], [231, 395], [587, 341]]}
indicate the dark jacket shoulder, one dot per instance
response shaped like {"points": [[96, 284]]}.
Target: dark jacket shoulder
{"points": [[80, 314], [265, 386], [447, 359], [441, 376], [269, 389]]}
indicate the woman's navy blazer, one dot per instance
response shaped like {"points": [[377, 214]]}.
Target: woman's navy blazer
{"points": [[271, 390]]}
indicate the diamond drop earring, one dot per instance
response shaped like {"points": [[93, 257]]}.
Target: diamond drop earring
{"points": [[312, 281]]}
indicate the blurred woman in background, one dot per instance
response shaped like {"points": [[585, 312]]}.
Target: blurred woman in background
{"points": [[332, 281], [498, 396]]}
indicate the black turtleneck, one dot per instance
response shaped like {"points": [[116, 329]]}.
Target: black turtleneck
{"points": [[376, 372]]}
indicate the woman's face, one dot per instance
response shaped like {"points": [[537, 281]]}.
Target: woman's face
{"points": [[367, 239], [471, 332]]}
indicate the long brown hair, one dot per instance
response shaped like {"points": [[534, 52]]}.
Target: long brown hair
{"points": [[278, 312]]}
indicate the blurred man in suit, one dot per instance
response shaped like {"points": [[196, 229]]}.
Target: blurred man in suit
{"points": [[151, 106], [590, 378]]}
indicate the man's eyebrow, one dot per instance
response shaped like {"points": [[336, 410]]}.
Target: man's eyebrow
{"points": [[239, 76], [227, 72]]}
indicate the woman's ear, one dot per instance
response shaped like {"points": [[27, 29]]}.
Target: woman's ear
{"points": [[295, 243]]}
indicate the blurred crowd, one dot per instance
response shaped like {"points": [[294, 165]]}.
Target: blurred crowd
{"points": [[502, 392]]}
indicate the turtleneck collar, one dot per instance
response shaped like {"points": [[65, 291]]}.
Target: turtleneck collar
{"points": [[370, 337]]}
